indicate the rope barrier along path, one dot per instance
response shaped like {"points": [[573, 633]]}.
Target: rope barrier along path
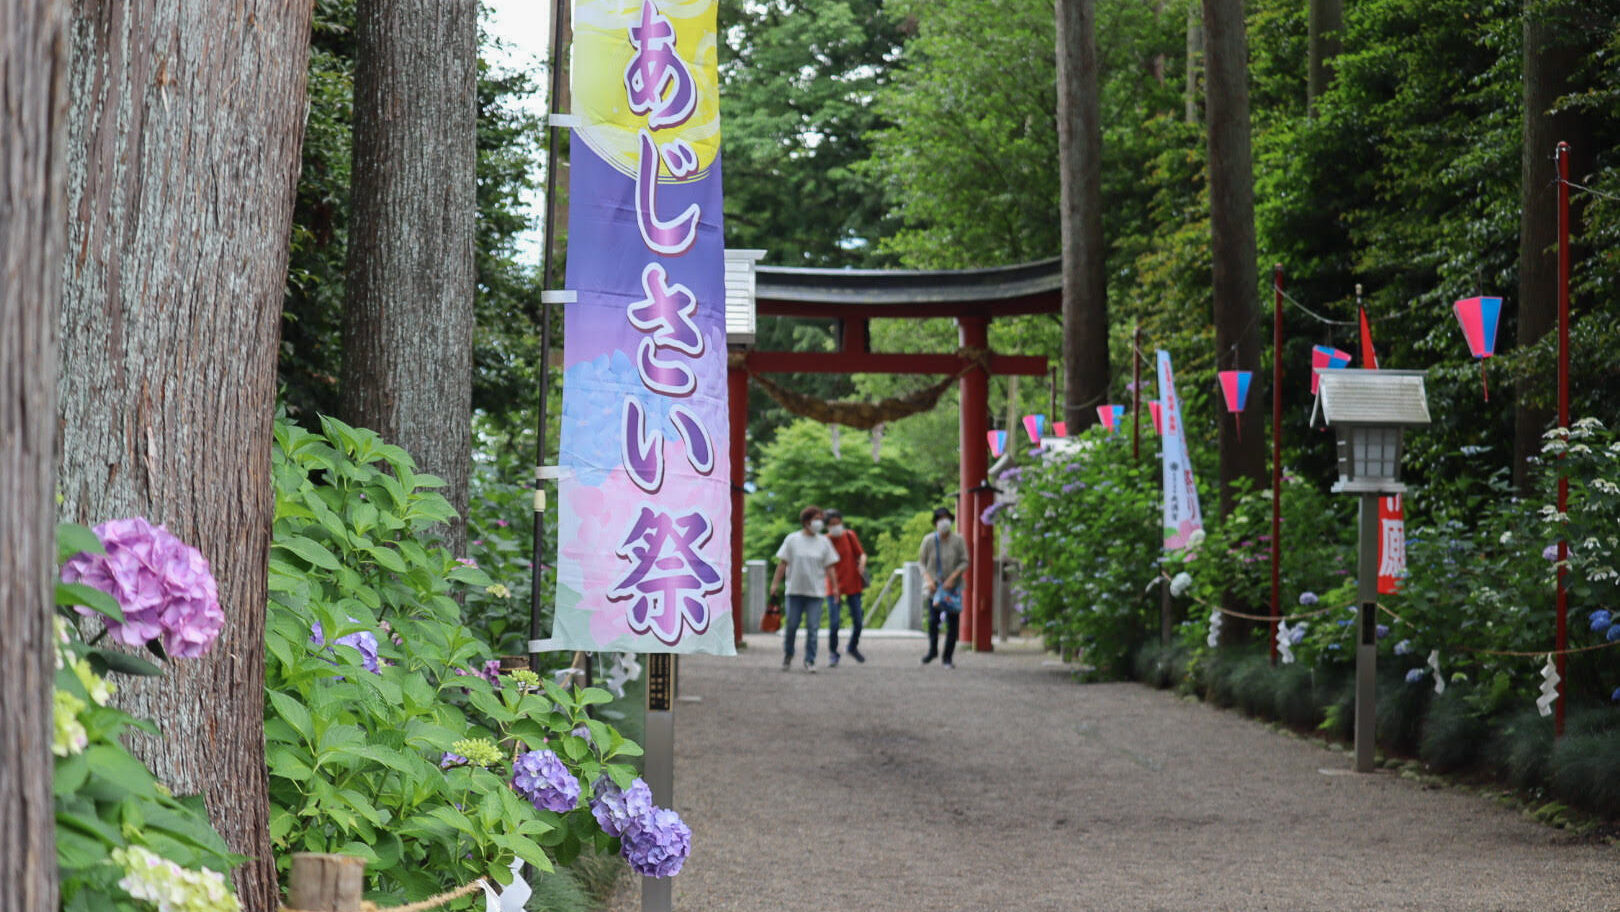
{"points": [[432, 902]]}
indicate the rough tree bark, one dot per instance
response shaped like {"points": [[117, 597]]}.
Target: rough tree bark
{"points": [[1546, 78], [1326, 25], [408, 323], [184, 134], [1085, 286], [33, 85], [1231, 216]]}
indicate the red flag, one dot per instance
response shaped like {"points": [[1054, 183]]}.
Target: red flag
{"points": [[1369, 358]]}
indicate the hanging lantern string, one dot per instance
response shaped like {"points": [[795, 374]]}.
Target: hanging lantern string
{"points": [[1313, 314], [1574, 186]]}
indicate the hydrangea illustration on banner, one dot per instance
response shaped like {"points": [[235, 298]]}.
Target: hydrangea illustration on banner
{"points": [[162, 585]]}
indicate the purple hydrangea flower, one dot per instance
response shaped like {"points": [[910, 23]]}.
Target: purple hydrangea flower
{"points": [[1307, 598], [656, 843], [1074, 467], [1074, 486], [614, 808], [363, 642], [1404, 647], [1550, 552], [1382, 630], [1012, 473], [1296, 635], [451, 759], [490, 671], [988, 516], [1415, 675], [1615, 697], [162, 584], [541, 777], [1037, 451], [582, 732]]}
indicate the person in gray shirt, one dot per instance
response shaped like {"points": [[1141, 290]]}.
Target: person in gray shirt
{"points": [[806, 559], [944, 561]]}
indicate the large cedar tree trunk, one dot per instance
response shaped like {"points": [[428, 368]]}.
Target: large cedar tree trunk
{"points": [[1231, 216], [183, 151], [1326, 26], [1085, 286], [408, 323], [33, 79], [1546, 77]]}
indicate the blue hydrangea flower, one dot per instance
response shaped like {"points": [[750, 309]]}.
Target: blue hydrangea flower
{"points": [[1404, 647], [1415, 675], [614, 808], [541, 777], [1550, 552], [1307, 598], [656, 843], [1073, 486], [1296, 635], [363, 642], [1382, 630], [1601, 619], [1616, 695], [1613, 634]]}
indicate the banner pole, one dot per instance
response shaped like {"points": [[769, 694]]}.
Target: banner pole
{"points": [[1136, 390], [1276, 454], [559, 10], [658, 768], [1561, 642]]}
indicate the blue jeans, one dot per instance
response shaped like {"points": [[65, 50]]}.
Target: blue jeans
{"points": [[808, 608], [834, 607]]}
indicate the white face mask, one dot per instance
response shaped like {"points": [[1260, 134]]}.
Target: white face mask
{"points": [[815, 525], [944, 526], [836, 531]]}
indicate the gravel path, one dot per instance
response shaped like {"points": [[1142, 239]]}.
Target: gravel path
{"points": [[1002, 785]]}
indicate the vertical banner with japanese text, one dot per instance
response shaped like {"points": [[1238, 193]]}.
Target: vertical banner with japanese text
{"points": [[644, 510], [1391, 544], [1181, 516]]}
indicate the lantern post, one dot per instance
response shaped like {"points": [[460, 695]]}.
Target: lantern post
{"points": [[1369, 410]]}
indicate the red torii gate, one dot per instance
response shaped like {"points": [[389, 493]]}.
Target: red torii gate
{"points": [[854, 297]]}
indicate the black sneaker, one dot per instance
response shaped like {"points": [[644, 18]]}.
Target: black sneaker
{"points": [[832, 660], [856, 654], [787, 662], [930, 657]]}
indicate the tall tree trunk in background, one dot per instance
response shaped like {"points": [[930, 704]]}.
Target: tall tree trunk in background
{"points": [[33, 82], [1231, 216], [1194, 92], [1546, 63], [408, 324], [1326, 27], [1085, 285], [184, 133]]}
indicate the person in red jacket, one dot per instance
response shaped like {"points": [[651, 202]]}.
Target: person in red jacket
{"points": [[851, 571]]}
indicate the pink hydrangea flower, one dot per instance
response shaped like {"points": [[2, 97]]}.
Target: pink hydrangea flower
{"points": [[162, 584]]}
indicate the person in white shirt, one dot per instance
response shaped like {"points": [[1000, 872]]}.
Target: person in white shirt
{"points": [[806, 559]]}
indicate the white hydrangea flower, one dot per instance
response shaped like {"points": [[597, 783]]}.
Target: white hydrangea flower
{"points": [[171, 888], [1180, 584], [70, 737]]}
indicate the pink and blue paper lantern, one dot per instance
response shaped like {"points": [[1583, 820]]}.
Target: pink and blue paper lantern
{"points": [[998, 442], [1235, 387], [1326, 357], [1035, 426], [1157, 411], [1479, 318], [1111, 416]]}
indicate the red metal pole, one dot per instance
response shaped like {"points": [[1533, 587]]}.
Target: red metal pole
{"points": [[975, 385], [1136, 390], [1561, 642], [737, 407], [1276, 454]]}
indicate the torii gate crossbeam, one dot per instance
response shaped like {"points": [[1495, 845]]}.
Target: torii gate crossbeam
{"points": [[855, 297]]}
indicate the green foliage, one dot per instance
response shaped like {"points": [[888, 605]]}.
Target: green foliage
{"points": [[507, 327], [797, 82], [1085, 531], [798, 468], [106, 799], [355, 755]]}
